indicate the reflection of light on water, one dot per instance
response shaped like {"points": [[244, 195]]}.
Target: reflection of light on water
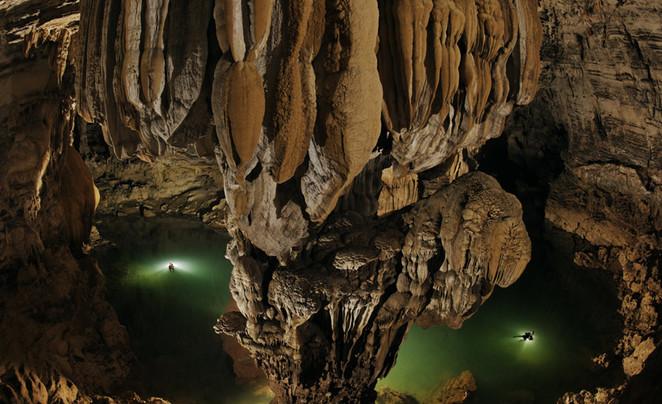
{"points": [[172, 312], [180, 265], [154, 272]]}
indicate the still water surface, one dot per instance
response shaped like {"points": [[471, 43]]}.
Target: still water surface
{"points": [[169, 318], [169, 315], [571, 312]]}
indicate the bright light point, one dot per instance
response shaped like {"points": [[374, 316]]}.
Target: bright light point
{"points": [[180, 265], [525, 336]]}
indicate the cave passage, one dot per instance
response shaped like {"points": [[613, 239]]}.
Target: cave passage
{"points": [[169, 315], [571, 311]]}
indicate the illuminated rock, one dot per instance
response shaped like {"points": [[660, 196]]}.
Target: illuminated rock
{"points": [[337, 127], [329, 207], [58, 334], [337, 315]]}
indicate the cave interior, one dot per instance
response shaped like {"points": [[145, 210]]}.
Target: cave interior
{"points": [[335, 201]]}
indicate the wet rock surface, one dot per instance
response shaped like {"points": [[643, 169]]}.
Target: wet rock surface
{"points": [[457, 390], [177, 184], [296, 97], [337, 315]]}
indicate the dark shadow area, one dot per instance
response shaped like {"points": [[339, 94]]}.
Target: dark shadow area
{"points": [[526, 159]]}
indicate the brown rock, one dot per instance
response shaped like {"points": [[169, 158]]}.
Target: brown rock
{"points": [[457, 390]]}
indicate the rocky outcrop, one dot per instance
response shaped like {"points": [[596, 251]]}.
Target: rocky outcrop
{"points": [[600, 396], [605, 89], [333, 320], [388, 396], [456, 390], [594, 132], [477, 230], [22, 385], [178, 183]]}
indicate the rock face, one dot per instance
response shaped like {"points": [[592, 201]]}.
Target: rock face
{"points": [[457, 390], [57, 333], [333, 319], [610, 193], [136, 87], [23, 385], [600, 98], [297, 94], [178, 183], [339, 126], [344, 131], [388, 396], [478, 229]]}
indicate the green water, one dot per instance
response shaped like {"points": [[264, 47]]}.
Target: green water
{"points": [[571, 312], [169, 316]]}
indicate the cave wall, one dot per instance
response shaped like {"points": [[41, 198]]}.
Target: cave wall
{"points": [[592, 140], [58, 335], [604, 84], [178, 183]]}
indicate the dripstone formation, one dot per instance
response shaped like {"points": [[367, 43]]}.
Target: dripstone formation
{"points": [[345, 135], [344, 132], [55, 325]]}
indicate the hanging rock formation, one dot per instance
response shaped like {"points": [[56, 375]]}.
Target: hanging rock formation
{"points": [[452, 71], [327, 326], [344, 130], [142, 69], [297, 95]]}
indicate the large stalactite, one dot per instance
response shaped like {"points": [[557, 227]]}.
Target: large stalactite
{"points": [[344, 133]]}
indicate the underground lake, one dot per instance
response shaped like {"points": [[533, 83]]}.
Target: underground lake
{"points": [[169, 318], [169, 315]]}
